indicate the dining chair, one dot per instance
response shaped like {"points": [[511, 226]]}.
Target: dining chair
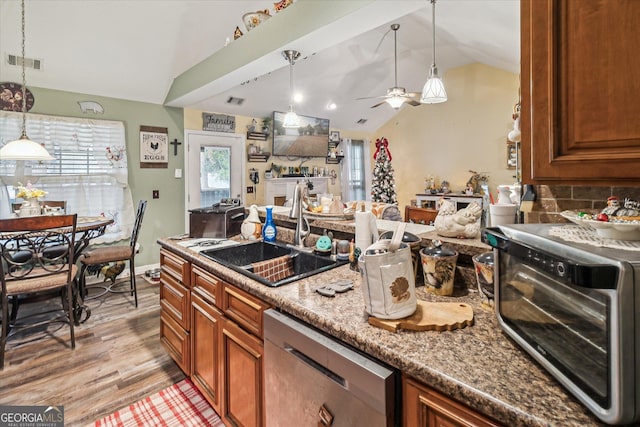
{"points": [[62, 204], [107, 254], [37, 264]]}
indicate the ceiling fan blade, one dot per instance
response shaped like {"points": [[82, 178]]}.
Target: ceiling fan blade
{"points": [[378, 104], [415, 95], [371, 97], [412, 102]]}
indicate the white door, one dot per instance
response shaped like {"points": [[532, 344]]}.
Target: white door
{"points": [[213, 168]]}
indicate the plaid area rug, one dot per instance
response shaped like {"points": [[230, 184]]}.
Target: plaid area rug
{"points": [[179, 405]]}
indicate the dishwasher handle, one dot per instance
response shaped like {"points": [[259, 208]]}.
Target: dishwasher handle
{"points": [[362, 375], [317, 366]]}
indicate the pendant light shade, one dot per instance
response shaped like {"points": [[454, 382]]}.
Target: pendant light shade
{"points": [[433, 91], [23, 148], [291, 119]]}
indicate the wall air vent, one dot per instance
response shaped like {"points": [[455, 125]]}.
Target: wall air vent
{"points": [[362, 121], [235, 101], [16, 60]]}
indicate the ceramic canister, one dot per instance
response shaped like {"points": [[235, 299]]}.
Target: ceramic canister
{"points": [[483, 264], [439, 269]]}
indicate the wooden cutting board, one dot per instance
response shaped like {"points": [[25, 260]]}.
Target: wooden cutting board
{"points": [[430, 316]]}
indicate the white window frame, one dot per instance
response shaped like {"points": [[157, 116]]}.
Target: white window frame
{"points": [[90, 170]]}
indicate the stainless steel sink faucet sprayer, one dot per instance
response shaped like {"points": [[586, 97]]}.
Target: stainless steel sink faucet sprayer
{"points": [[302, 225]]}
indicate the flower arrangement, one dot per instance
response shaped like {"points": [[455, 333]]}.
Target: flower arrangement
{"points": [[29, 192]]}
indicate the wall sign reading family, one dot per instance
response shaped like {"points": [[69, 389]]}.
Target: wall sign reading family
{"points": [[154, 147]]}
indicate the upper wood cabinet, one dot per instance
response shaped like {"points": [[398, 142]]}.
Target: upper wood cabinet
{"points": [[580, 91]]}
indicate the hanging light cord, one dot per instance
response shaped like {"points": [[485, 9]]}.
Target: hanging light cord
{"points": [[395, 27], [433, 20], [291, 62], [24, 82]]}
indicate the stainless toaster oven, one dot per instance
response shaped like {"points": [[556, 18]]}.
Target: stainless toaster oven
{"points": [[222, 220], [575, 308]]}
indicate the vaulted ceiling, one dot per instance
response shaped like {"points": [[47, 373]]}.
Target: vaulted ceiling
{"points": [[142, 49]]}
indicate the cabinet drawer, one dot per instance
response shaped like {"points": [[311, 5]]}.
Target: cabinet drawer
{"points": [[208, 286], [175, 299], [245, 309], [176, 341], [174, 266]]}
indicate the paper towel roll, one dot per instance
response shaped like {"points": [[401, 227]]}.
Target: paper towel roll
{"points": [[366, 229]]}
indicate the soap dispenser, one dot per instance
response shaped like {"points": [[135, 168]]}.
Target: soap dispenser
{"points": [[269, 231], [251, 228]]}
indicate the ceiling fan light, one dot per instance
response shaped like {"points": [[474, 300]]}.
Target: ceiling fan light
{"points": [[395, 101], [291, 120], [433, 91], [24, 149]]}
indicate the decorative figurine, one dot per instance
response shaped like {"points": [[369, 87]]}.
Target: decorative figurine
{"points": [[462, 224], [237, 33]]}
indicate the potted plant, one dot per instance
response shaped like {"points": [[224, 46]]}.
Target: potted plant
{"points": [[266, 125]]}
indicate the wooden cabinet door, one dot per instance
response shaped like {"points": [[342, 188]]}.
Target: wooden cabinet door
{"points": [[424, 407], [206, 366], [243, 377], [580, 83], [176, 341]]}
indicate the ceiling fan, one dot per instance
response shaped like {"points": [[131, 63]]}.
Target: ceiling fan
{"points": [[396, 96]]}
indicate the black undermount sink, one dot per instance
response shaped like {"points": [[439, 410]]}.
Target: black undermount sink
{"points": [[242, 258]]}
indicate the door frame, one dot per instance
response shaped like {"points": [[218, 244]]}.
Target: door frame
{"points": [[223, 139]]}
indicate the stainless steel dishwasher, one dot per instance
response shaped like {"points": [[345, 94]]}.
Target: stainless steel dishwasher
{"points": [[314, 380]]}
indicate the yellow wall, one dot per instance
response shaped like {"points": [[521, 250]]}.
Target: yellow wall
{"points": [[468, 132]]}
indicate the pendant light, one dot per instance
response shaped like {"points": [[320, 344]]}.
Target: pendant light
{"points": [[291, 119], [433, 92], [24, 148]]}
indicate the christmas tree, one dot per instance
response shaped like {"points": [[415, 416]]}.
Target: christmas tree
{"points": [[383, 188]]}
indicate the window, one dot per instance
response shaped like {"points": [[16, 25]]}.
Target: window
{"points": [[356, 170], [89, 170]]}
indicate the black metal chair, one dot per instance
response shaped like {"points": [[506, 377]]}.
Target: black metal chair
{"points": [[37, 263], [107, 254]]}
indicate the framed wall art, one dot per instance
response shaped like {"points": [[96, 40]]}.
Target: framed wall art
{"points": [[334, 136], [154, 147]]}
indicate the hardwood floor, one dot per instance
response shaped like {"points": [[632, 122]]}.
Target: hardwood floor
{"points": [[118, 360]]}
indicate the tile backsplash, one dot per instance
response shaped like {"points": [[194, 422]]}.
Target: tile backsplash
{"points": [[551, 200]]}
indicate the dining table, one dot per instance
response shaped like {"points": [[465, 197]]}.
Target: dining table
{"points": [[88, 228]]}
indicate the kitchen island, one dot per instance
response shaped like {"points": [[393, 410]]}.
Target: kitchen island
{"points": [[477, 366]]}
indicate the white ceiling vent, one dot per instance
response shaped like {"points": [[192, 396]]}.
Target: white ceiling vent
{"points": [[235, 101], [361, 121], [16, 60]]}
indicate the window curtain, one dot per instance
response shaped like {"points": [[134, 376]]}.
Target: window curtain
{"points": [[355, 170], [89, 171]]}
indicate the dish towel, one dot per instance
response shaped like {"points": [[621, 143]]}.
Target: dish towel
{"points": [[274, 269]]}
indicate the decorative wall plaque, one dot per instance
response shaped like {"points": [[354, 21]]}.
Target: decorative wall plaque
{"points": [[154, 147], [218, 122]]}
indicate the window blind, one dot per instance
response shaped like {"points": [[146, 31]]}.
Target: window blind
{"points": [[89, 170]]}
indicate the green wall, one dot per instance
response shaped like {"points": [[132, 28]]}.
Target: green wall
{"points": [[164, 216]]}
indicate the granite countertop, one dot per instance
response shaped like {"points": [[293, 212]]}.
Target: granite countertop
{"points": [[477, 365]]}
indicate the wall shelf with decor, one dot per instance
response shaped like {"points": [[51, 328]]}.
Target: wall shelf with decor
{"points": [[257, 136], [258, 157], [333, 160]]}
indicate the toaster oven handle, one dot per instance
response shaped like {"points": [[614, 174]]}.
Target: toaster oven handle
{"points": [[239, 215]]}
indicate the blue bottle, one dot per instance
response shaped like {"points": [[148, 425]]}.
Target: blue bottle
{"points": [[269, 231]]}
